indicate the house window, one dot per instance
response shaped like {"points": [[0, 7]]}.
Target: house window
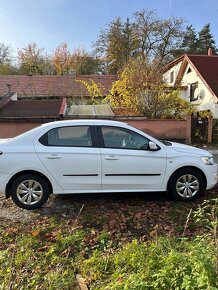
{"points": [[189, 70], [193, 91], [172, 76]]}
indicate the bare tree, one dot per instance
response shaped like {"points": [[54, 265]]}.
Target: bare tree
{"points": [[146, 36], [5, 53]]}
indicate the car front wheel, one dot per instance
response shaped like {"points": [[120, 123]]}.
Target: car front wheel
{"points": [[30, 191], [186, 184]]}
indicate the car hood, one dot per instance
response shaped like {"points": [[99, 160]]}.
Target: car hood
{"points": [[189, 149]]}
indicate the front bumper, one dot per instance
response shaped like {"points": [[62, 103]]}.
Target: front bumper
{"points": [[4, 178], [211, 175]]}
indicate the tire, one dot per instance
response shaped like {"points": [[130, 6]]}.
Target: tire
{"points": [[30, 191], [186, 184]]}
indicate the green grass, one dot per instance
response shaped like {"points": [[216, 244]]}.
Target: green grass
{"points": [[44, 254], [43, 257], [158, 265]]}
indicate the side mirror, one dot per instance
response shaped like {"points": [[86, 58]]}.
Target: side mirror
{"points": [[152, 146]]}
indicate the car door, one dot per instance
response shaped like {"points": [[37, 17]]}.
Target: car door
{"points": [[127, 162], [71, 157]]}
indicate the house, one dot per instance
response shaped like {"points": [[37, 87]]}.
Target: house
{"points": [[53, 86], [18, 116], [197, 77], [40, 99]]}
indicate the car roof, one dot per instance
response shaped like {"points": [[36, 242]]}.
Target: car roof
{"points": [[84, 122]]}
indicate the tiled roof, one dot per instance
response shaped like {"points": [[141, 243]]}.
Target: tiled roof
{"points": [[207, 67], [172, 63], [33, 109], [52, 86]]}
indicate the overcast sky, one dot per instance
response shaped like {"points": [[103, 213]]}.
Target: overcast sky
{"points": [[79, 22]]}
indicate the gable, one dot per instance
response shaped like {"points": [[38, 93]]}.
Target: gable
{"points": [[207, 67]]}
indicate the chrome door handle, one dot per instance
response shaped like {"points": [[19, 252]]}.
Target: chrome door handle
{"points": [[111, 157], [53, 156]]}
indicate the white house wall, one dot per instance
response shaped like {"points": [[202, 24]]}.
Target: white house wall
{"points": [[206, 98], [166, 76]]}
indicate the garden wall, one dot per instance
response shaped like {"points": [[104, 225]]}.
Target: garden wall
{"points": [[11, 129], [178, 130]]}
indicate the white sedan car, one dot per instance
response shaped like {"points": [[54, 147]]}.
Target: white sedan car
{"points": [[85, 156]]}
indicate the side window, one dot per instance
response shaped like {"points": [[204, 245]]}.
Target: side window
{"points": [[115, 137], [75, 136]]}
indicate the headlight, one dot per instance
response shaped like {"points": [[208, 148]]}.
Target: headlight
{"points": [[207, 160]]}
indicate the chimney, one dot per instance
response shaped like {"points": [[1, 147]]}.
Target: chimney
{"points": [[209, 52]]}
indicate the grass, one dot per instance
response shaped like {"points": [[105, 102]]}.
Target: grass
{"points": [[165, 263], [42, 257], [115, 249]]}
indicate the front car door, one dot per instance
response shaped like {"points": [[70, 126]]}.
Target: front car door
{"points": [[127, 162], [70, 156]]}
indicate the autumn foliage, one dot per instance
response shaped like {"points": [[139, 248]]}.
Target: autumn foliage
{"points": [[140, 88]]}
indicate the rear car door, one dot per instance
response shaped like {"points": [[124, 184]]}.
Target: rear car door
{"points": [[70, 155]]}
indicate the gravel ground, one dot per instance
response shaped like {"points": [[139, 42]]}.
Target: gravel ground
{"points": [[69, 206]]}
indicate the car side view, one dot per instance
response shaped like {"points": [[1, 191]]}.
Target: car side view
{"points": [[90, 156]]}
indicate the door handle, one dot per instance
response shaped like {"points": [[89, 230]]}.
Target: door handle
{"points": [[111, 157], [53, 156]]}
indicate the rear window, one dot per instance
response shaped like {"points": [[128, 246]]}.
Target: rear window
{"points": [[72, 136]]}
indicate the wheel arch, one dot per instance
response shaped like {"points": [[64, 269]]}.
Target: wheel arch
{"points": [[14, 177], [193, 168]]}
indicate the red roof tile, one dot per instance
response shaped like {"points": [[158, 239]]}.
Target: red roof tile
{"points": [[50, 86], [207, 67]]}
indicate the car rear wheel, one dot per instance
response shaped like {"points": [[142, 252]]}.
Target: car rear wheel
{"points": [[30, 191], [186, 184]]}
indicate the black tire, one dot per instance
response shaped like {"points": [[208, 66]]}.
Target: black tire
{"points": [[30, 191], [186, 184]]}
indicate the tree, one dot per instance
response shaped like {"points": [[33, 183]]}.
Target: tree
{"points": [[62, 59], [8, 69], [95, 90], [137, 76], [33, 61], [189, 43], [79, 60], [84, 63], [170, 35], [140, 88], [5, 53], [206, 40], [145, 27], [115, 45], [147, 36], [6, 66]]}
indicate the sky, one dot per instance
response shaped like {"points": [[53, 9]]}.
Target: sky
{"points": [[79, 22]]}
